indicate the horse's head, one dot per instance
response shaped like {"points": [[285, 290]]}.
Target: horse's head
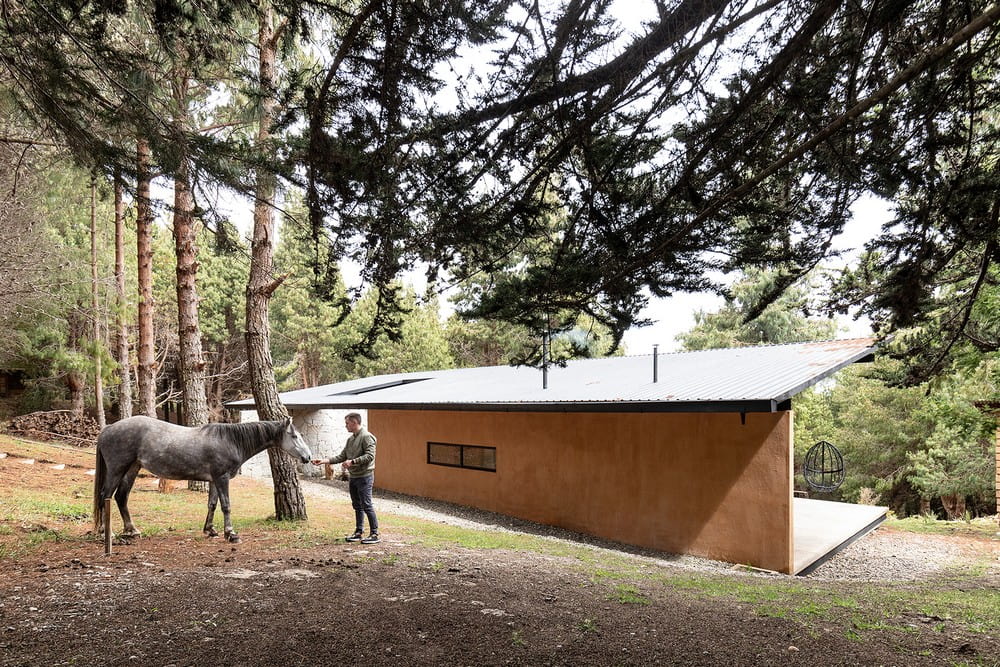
{"points": [[293, 442]]}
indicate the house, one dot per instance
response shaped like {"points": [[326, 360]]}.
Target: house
{"points": [[687, 453]]}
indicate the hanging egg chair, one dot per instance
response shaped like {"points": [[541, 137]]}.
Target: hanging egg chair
{"points": [[823, 467]]}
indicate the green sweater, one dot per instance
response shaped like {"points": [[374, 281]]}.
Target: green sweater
{"points": [[360, 448]]}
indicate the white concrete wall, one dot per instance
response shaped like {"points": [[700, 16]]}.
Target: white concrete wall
{"points": [[323, 431]]}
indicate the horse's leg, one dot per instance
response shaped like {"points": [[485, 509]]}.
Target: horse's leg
{"points": [[213, 498], [121, 497], [112, 480], [222, 484]]}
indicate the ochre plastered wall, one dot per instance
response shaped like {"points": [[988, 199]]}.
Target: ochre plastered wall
{"points": [[701, 484]]}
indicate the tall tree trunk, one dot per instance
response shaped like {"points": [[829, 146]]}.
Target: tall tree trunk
{"points": [[192, 360], [122, 354], [288, 500], [146, 366], [98, 380], [954, 506], [194, 401]]}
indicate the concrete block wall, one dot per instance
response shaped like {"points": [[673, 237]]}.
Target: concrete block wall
{"points": [[323, 431]]}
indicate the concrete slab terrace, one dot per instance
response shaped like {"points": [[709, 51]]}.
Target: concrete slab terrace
{"points": [[822, 528]]}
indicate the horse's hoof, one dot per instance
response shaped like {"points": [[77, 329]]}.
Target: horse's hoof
{"points": [[211, 533], [233, 538], [130, 535]]}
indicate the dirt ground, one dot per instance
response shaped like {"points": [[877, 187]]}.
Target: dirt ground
{"points": [[182, 599]]}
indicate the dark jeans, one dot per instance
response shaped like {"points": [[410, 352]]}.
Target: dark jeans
{"points": [[361, 500]]}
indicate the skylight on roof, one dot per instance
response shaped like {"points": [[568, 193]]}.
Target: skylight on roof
{"points": [[376, 387]]}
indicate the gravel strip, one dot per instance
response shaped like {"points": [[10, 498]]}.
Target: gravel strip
{"points": [[885, 556], [879, 556]]}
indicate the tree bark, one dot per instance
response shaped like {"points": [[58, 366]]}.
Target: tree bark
{"points": [[288, 500], [98, 371], [192, 360], [194, 401], [146, 367], [954, 506], [122, 354]]}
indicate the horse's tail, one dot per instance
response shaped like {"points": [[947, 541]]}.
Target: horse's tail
{"points": [[100, 472]]}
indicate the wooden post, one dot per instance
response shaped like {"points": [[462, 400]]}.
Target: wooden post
{"points": [[107, 526]]}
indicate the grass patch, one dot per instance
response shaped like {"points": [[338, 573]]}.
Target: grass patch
{"points": [[978, 611], [27, 506], [872, 608], [626, 594], [433, 534], [983, 527]]}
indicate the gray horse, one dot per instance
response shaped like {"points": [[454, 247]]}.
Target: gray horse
{"points": [[212, 453]]}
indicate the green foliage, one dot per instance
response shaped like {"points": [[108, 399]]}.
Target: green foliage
{"points": [[781, 321], [421, 346], [306, 337], [902, 443], [222, 281], [475, 342], [315, 337], [958, 455], [875, 427], [50, 333], [556, 153]]}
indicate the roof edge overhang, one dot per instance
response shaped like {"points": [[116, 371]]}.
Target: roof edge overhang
{"points": [[761, 405], [865, 356]]}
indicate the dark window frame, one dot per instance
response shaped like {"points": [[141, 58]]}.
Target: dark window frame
{"points": [[461, 456]]}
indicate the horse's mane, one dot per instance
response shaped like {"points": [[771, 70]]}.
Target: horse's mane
{"points": [[249, 436]]}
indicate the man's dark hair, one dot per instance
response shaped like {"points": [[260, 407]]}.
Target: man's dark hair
{"points": [[354, 416]]}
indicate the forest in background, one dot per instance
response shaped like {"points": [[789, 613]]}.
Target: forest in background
{"points": [[546, 167]]}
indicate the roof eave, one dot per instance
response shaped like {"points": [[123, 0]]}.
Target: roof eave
{"points": [[743, 406], [862, 357]]}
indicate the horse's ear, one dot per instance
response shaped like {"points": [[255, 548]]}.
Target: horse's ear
{"points": [[288, 422]]}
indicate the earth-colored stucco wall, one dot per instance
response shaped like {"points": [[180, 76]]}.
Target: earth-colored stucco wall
{"points": [[701, 484]]}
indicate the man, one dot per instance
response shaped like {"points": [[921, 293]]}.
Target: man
{"points": [[358, 458]]}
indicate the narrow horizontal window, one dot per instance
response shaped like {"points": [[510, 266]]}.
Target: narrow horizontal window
{"points": [[473, 457]]}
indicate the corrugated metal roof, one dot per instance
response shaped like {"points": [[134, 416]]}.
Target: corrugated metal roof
{"points": [[747, 379]]}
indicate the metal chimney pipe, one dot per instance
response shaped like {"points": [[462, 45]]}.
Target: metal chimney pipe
{"points": [[656, 359]]}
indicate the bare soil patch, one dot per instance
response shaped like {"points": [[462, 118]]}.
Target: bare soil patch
{"points": [[178, 598]]}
